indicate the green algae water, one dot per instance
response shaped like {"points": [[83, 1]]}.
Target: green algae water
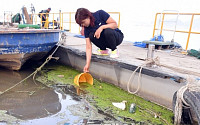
{"points": [[34, 103], [102, 94], [53, 98]]}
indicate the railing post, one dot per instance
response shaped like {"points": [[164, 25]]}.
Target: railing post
{"points": [[35, 19], [60, 18], [41, 19], [155, 24], [53, 20], [119, 20], [162, 23], [62, 21], [31, 18], [189, 32]]}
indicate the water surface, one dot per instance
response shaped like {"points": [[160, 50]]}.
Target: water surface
{"points": [[34, 103]]}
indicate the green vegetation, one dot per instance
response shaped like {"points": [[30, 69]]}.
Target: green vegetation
{"points": [[102, 94], [57, 75]]}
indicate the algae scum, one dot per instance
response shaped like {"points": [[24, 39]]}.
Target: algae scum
{"points": [[101, 95]]}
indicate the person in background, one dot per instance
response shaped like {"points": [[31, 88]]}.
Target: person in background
{"points": [[100, 29], [44, 16]]}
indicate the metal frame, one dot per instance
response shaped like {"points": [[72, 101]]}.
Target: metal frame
{"points": [[70, 22], [181, 31]]}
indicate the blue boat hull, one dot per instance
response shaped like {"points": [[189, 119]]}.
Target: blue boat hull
{"points": [[18, 46]]}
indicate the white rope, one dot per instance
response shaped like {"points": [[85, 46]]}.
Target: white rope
{"points": [[155, 61], [131, 77], [62, 40], [139, 77], [190, 86], [179, 105]]}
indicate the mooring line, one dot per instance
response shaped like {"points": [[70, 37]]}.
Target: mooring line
{"points": [[62, 40]]}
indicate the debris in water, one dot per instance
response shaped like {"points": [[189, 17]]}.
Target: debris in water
{"points": [[132, 108], [121, 105], [60, 76]]}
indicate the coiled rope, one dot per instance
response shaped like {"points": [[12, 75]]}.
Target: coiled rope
{"points": [[139, 77], [62, 40]]}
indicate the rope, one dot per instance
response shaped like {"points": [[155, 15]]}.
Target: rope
{"points": [[191, 86], [62, 40], [184, 71], [139, 77], [155, 61]]}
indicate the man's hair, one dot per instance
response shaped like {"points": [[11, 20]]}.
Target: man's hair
{"points": [[82, 14]]}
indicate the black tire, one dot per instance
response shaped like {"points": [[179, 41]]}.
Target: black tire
{"points": [[193, 99]]}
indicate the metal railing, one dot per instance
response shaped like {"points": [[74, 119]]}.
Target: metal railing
{"points": [[7, 17], [64, 19], [189, 31]]}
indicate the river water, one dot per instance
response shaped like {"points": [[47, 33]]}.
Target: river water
{"points": [[32, 103]]}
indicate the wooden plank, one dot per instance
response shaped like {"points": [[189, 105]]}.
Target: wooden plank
{"points": [[26, 16]]}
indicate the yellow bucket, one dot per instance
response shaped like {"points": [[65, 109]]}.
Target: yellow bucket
{"points": [[83, 77]]}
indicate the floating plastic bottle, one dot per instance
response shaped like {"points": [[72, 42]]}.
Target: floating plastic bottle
{"points": [[132, 108]]}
